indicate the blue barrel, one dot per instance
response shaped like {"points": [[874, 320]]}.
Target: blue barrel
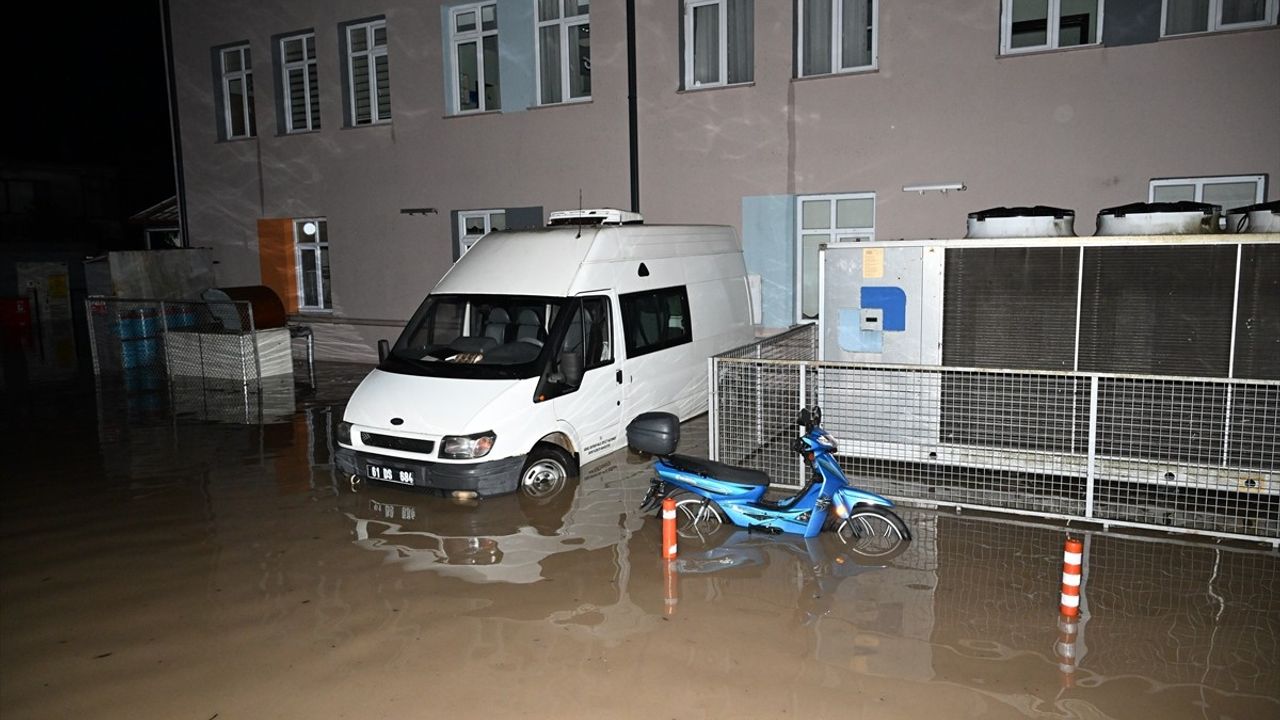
{"points": [[139, 341]]}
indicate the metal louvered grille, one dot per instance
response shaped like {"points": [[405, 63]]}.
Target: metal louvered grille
{"points": [[1010, 308], [391, 442]]}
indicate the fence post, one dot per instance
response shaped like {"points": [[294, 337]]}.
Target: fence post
{"points": [[1093, 446], [713, 429]]}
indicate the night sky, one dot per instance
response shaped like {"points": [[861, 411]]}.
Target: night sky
{"points": [[85, 85]]}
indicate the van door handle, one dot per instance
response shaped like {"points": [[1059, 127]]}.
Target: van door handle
{"points": [[619, 377]]}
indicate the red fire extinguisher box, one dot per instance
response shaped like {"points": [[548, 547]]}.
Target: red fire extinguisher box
{"points": [[15, 315]]}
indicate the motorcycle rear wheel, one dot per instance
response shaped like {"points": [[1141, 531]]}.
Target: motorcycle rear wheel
{"points": [[873, 532], [696, 517]]}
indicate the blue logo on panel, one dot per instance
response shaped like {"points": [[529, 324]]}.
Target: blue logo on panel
{"points": [[862, 329]]}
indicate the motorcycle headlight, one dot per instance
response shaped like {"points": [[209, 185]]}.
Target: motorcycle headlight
{"points": [[344, 433], [467, 447]]}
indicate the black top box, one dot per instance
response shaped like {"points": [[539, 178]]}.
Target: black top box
{"points": [[656, 433]]}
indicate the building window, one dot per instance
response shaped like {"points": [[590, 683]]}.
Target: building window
{"points": [[1181, 17], [368, 74], [822, 220], [718, 43], [301, 84], [837, 35], [475, 224], [311, 240], [473, 36], [655, 320], [1226, 191], [1029, 25], [237, 93], [564, 51]]}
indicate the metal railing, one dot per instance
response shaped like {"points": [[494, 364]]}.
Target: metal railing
{"points": [[1171, 453]]}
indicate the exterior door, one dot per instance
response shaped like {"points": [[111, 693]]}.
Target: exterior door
{"points": [[595, 408]]}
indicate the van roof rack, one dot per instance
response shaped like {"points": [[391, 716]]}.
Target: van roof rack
{"points": [[594, 216]]}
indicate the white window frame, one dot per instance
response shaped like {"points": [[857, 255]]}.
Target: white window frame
{"points": [[1259, 181], [1214, 23], [837, 44], [565, 23], [477, 36], [373, 52], [834, 234], [306, 64], [465, 239], [319, 247], [723, 60], [245, 76], [1054, 22]]}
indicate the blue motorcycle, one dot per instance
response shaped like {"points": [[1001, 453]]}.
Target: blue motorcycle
{"points": [[709, 493]]}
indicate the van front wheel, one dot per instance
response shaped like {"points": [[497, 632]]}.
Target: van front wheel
{"points": [[546, 472]]}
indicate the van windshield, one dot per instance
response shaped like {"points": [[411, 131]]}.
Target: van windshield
{"points": [[476, 336]]}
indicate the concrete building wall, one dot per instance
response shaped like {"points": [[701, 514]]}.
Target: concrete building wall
{"points": [[1082, 128]]}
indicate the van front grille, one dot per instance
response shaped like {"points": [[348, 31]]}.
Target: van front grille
{"points": [[391, 442]]}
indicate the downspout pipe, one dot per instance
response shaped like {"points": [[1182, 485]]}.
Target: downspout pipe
{"points": [[633, 123], [175, 130]]}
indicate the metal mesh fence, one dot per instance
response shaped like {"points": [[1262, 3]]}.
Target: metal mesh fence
{"points": [[145, 342], [1187, 453]]}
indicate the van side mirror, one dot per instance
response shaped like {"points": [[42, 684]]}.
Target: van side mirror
{"points": [[571, 368], [384, 349]]}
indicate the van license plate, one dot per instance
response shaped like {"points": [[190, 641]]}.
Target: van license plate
{"points": [[387, 474]]}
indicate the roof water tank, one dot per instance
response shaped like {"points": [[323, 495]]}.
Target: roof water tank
{"points": [[1260, 218], [1166, 218], [1021, 222]]}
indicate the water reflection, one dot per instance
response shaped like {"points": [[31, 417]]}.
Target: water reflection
{"points": [[500, 539]]}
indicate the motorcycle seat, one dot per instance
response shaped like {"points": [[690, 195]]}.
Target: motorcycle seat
{"points": [[718, 471]]}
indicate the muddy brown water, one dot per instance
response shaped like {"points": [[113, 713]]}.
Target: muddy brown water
{"points": [[206, 568]]}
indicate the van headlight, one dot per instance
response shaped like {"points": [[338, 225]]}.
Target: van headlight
{"points": [[467, 447], [344, 433]]}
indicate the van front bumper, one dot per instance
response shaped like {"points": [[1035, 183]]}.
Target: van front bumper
{"points": [[492, 477]]}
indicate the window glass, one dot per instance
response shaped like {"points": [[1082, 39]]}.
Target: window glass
{"points": [[237, 93], [816, 50], [1235, 12], [369, 73], [654, 320], [1173, 193], [302, 87], [474, 59], [311, 239], [817, 214], [1230, 195], [1027, 25], [719, 43], [590, 332], [857, 34], [1030, 26], [855, 212]]}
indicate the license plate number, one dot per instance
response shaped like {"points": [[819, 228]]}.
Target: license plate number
{"points": [[387, 474]]}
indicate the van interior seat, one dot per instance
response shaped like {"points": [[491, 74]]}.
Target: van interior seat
{"points": [[496, 324], [528, 327]]}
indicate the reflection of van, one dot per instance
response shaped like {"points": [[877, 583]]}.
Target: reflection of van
{"points": [[535, 350]]}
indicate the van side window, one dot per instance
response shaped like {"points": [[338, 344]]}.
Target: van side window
{"points": [[591, 332], [655, 319]]}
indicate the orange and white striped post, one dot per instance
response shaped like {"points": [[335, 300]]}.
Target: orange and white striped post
{"points": [[669, 528], [1065, 648], [1072, 564], [671, 587]]}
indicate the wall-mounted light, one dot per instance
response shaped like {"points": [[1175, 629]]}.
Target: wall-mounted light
{"points": [[418, 211], [935, 187]]}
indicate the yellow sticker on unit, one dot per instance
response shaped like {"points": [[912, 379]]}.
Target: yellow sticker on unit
{"points": [[873, 262]]}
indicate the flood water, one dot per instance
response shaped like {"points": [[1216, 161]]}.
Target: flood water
{"points": [[209, 567]]}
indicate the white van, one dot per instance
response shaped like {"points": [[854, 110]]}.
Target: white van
{"points": [[537, 347]]}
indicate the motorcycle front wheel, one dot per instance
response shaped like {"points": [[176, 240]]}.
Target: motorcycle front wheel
{"points": [[873, 531], [696, 517]]}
